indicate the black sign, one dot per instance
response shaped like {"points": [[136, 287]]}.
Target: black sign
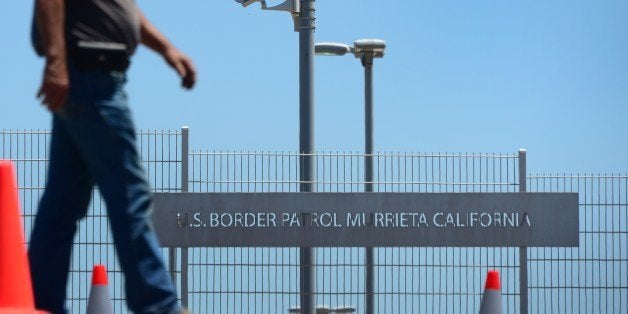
{"points": [[366, 219]]}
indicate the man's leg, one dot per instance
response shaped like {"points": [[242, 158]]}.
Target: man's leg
{"points": [[63, 204], [106, 136]]}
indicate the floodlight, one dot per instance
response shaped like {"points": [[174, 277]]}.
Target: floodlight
{"points": [[331, 49], [374, 47], [246, 3], [363, 48]]}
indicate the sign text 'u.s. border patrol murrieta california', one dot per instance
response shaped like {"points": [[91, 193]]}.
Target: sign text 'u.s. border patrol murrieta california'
{"points": [[366, 219]]}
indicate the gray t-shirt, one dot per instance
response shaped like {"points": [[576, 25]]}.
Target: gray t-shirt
{"points": [[106, 21]]}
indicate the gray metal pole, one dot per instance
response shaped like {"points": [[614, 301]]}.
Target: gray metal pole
{"points": [[523, 251], [367, 62], [307, 22], [172, 252], [185, 162]]}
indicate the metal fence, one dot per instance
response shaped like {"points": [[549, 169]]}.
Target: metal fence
{"points": [[161, 157], [591, 278], [407, 280]]}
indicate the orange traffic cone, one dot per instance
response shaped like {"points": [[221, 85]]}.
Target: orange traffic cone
{"points": [[99, 299], [492, 298], [16, 291]]}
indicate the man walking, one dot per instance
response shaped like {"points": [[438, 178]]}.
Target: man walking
{"points": [[87, 45]]}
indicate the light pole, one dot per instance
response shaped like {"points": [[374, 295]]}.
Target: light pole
{"points": [[306, 28], [303, 15], [366, 50]]}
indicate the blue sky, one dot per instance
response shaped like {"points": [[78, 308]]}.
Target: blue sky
{"points": [[459, 76]]}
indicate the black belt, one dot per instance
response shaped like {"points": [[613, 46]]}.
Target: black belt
{"points": [[99, 59]]}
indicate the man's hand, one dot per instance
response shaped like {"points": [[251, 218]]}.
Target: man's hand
{"points": [[156, 41], [55, 84], [183, 65]]}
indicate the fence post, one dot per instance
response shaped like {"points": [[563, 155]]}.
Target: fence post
{"points": [[172, 259], [185, 162], [523, 251]]}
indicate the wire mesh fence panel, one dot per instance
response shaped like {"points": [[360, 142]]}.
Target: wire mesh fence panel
{"points": [[243, 280], [592, 278], [443, 280], [93, 243], [436, 280]]}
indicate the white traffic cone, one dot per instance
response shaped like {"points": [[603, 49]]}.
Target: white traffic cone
{"points": [[99, 298], [492, 298]]}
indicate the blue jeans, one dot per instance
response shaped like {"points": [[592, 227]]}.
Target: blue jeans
{"points": [[93, 143]]}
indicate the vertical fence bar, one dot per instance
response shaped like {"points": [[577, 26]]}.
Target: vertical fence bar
{"points": [[172, 262], [523, 251], [185, 137]]}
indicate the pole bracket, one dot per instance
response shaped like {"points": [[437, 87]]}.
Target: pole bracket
{"points": [[291, 6]]}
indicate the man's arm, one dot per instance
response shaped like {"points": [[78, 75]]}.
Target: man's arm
{"points": [[50, 17], [155, 40]]}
